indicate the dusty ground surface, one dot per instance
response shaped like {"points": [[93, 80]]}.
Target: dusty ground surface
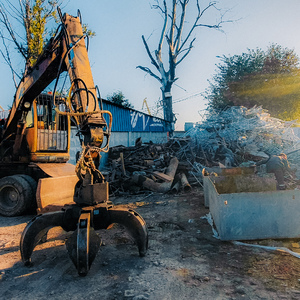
{"points": [[184, 260]]}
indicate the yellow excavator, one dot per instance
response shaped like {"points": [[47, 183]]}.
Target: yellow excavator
{"points": [[35, 140], [34, 150]]}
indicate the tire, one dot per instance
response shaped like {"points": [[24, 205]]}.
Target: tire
{"points": [[15, 196], [33, 185]]}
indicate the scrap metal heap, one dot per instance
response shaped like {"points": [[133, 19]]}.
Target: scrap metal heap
{"points": [[243, 134], [148, 166], [236, 137]]}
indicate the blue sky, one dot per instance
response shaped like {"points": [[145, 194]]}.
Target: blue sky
{"points": [[117, 48]]}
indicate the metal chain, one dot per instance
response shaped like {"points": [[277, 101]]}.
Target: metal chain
{"points": [[83, 165]]}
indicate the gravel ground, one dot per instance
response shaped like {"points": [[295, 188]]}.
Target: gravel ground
{"points": [[184, 260]]}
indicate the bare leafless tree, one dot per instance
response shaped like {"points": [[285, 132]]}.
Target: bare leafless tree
{"points": [[177, 43]]}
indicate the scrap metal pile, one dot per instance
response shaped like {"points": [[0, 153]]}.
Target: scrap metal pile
{"points": [[149, 166], [238, 137], [230, 138]]}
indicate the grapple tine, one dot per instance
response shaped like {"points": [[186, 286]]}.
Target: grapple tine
{"points": [[35, 230], [135, 225], [83, 244]]}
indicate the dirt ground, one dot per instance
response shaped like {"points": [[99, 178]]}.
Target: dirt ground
{"points": [[184, 260]]}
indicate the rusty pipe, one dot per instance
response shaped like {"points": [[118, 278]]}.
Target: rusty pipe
{"points": [[161, 187], [176, 184], [176, 187], [185, 184]]}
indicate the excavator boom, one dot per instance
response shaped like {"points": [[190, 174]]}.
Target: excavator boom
{"points": [[65, 52]]}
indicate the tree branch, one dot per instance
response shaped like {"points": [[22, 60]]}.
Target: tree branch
{"points": [[149, 54], [181, 23], [161, 40], [173, 26], [6, 23], [8, 61], [147, 70], [199, 16], [188, 50]]}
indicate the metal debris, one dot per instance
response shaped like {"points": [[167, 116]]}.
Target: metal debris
{"points": [[143, 167], [237, 137]]}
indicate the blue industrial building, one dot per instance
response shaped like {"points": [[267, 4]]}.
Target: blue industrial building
{"points": [[128, 124], [129, 119]]}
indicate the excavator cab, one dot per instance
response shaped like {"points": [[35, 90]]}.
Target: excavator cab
{"points": [[47, 132]]}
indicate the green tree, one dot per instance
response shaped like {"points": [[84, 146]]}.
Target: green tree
{"points": [[36, 17], [119, 98], [269, 78], [30, 38], [36, 33]]}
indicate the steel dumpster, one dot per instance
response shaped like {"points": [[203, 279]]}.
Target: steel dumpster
{"points": [[260, 212]]}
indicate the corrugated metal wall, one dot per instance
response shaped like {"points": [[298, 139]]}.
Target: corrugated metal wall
{"points": [[125, 119], [4, 114], [121, 119]]}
